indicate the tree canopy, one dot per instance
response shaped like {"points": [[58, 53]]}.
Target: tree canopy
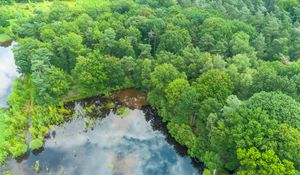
{"points": [[223, 75]]}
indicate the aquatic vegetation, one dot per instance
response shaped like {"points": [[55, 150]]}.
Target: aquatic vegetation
{"points": [[111, 166], [114, 146], [37, 167], [86, 123], [36, 144], [122, 111], [110, 105]]}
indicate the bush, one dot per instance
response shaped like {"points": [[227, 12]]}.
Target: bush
{"points": [[36, 144], [18, 150]]}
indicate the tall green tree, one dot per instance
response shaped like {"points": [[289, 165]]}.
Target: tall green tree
{"points": [[90, 73], [215, 84]]}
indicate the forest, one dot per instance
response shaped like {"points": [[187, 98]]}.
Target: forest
{"points": [[223, 75]]}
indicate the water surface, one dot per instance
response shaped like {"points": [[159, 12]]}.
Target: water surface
{"points": [[8, 71], [127, 145]]}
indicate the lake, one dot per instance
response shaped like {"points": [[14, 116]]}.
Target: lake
{"points": [[135, 143]]}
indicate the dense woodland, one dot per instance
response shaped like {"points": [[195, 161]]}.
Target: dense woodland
{"points": [[224, 75]]}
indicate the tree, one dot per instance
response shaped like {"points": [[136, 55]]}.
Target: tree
{"points": [[59, 12], [90, 73], [244, 128], [122, 6], [67, 48], [22, 54], [48, 82], [160, 79], [198, 63], [267, 79], [241, 61], [255, 162], [124, 48], [58, 82], [163, 75], [129, 66], [295, 46], [145, 51], [113, 69], [157, 3], [175, 89], [187, 106], [40, 67], [260, 46], [174, 40], [240, 44], [278, 106], [206, 107], [215, 84], [168, 57], [288, 143], [215, 35], [106, 39], [184, 135], [147, 68]]}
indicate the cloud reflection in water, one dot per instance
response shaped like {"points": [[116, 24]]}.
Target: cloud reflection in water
{"points": [[117, 146]]}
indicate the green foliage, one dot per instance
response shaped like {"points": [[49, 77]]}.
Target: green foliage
{"points": [[36, 166], [13, 122], [22, 53], [18, 150], [122, 112], [160, 79], [254, 162], [174, 40], [48, 82], [90, 74], [175, 89], [195, 60], [113, 69], [110, 105], [67, 49], [240, 44], [3, 153], [214, 84], [278, 106], [183, 134], [4, 38], [206, 172], [36, 144]]}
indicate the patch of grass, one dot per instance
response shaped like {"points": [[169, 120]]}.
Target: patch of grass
{"points": [[110, 105], [3, 153], [4, 37], [122, 111], [36, 144]]}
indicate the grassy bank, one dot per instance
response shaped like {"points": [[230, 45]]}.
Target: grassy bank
{"points": [[4, 38]]}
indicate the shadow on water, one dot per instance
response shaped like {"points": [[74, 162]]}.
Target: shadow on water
{"points": [[157, 123], [135, 144]]}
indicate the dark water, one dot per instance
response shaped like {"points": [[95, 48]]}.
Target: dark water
{"points": [[8, 71], [131, 98], [134, 144]]}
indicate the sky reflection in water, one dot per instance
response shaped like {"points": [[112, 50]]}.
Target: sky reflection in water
{"points": [[117, 146], [8, 73]]}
